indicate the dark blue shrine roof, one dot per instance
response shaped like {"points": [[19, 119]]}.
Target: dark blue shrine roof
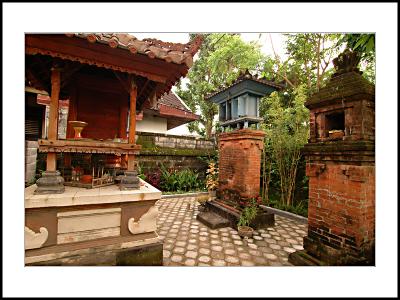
{"points": [[245, 83]]}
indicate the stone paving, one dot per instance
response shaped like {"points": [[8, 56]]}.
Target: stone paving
{"points": [[187, 242]]}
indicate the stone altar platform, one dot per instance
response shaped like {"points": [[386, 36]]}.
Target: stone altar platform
{"points": [[100, 226]]}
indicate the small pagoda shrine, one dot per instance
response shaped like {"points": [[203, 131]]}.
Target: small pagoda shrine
{"points": [[239, 104], [87, 214], [340, 157], [239, 152]]}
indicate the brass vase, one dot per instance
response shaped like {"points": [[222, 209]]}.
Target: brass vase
{"points": [[78, 127]]}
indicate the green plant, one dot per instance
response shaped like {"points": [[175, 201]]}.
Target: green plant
{"points": [[141, 175], [180, 181], [287, 129], [248, 214]]}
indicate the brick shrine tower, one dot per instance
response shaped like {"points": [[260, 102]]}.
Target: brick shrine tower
{"points": [[240, 150], [340, 160]]}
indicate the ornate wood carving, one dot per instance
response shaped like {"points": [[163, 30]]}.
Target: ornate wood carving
{"points": [[87, 146]]}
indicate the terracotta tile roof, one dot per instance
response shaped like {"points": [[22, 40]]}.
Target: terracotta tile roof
{"points": [[247, 76], [171, 52], [172, 100]]}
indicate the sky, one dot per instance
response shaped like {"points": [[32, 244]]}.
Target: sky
{"points": [[264, 39]]}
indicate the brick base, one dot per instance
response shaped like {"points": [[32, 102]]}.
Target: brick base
{"points": [[341, 207], [239, 163]]}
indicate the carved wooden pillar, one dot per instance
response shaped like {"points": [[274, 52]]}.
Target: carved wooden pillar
{"points": [[51, 181], [53, 116], [130, 180], [132, 124]]}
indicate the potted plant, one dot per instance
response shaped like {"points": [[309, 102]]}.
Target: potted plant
{"points": [[247, 215], [212, 180]]}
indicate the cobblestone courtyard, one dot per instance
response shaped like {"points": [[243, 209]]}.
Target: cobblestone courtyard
{"points": [[187, 242]]}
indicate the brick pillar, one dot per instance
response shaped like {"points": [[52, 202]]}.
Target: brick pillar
{"points": [[341, 171], [239, 164]]}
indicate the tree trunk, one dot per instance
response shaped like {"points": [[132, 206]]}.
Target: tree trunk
{"points": [[318, 61]]}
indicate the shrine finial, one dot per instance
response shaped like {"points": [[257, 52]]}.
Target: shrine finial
{"points": [[347, 61]]}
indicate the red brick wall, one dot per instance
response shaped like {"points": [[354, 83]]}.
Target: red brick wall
{"points": [[341, 211], [239, 161]]}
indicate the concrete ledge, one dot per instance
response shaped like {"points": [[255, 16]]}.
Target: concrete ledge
{"points": [[184, 195], [285, 214], [81, 196]]}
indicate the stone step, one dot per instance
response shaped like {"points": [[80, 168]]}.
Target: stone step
{"points": [[302, 258], [213, 220]]}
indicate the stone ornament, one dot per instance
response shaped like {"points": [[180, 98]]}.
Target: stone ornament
{"points": [[35, 240], [346, 62], [146, 223]]}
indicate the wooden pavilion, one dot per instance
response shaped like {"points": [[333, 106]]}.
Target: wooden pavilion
{"points": [[107, 79]]}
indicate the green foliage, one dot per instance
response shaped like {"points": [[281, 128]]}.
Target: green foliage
{"points": [[180, 181], [309, 57], [248, 214], [299, 208], [286, 127], [365, 45], [222, 57], [140, 172]]}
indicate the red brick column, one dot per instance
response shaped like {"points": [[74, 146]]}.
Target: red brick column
{"points": [[341, 170], [239, 164], [341, 210]]}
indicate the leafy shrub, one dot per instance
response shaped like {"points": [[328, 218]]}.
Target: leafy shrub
{"points": [[154, 178], [299, 208], [185, 180], [248, 214]]}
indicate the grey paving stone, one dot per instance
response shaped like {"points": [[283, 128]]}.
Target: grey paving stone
{"points": [[217, 255], [247, 263], [190, 262], [204, 251], [176, 258], [270, 256], [232, 259], [275, 247], [191, 254], [178, 250], [216, 248], [204, 259], [185, 240], [191, 247], [230, 251], [218, 263], [181, 243], [260, 261], [166, 253]]}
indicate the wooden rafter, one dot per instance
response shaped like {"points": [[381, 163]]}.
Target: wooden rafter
{"points": [[143, 88], [68, 72], [124, 81]]}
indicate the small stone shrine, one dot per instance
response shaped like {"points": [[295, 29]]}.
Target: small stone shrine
{"points": [[340, 160], [239, 152]]}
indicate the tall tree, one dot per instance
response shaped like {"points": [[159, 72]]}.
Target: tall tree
{"points": [[221, 58], [286, 126], [308, 62]]}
